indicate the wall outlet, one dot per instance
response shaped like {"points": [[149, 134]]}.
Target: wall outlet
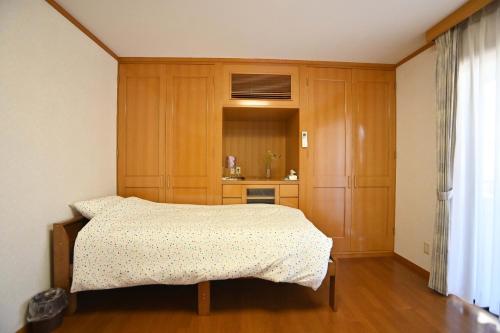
{"points": [[426, 248]]}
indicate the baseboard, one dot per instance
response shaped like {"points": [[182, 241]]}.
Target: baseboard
{"points": [[414, 267], [363, 254], [23, 329]]}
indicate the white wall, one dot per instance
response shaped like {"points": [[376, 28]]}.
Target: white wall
{"points": [[416, 157], [57, 140]]}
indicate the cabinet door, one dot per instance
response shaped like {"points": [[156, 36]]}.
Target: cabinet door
{"points": [[141, 131], [190, 96], [329, 167], [374, 147]]}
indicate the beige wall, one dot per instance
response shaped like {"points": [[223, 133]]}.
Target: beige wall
{"points": [[57, 140], [416, 157]]}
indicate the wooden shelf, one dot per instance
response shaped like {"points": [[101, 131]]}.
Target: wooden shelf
{"points": [[260, 182], [252, 113]]}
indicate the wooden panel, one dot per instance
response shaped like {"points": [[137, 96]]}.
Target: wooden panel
{"points": [[231, 191], [250, 140], [141, 131], [260, 69], [251, 181], [63, 240], [305, 162], [289, 191], [371, 225], [151, 194], [372, 129], [197, 196], [142, 126], [373, 148], [290, 202], [329, 168], [328, 212], [146, 181], [249, 113], [189, 182], [292, 144], [191, 103], [231, 201]]}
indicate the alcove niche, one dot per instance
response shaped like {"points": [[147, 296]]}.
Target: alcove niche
{"points": [[248, 133]]}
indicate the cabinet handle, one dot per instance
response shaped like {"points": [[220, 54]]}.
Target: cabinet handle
{"points": [[168, 181], [348, 181], [355, 182]]}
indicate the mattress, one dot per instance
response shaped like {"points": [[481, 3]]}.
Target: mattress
{"points": [[138, 242]]}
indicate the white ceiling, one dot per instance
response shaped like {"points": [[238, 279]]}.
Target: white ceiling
{"points": [[383, 31]]}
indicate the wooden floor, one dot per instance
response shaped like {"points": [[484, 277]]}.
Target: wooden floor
{"points": [[374, 295]]}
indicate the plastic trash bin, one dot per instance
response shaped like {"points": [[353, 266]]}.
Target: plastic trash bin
{"points": [[46, 310]]}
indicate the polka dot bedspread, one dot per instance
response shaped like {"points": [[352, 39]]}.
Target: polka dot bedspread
{"points": [[138, 242]]}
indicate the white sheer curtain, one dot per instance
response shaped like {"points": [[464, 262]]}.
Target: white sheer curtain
{"points": [[474, 245]]}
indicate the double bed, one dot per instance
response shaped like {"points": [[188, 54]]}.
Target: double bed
{"points": [[137, 242]]}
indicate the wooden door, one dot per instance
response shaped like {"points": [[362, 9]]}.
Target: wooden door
{"points": [[374, 152], [141, 131], [328, 167], [190, 96]]}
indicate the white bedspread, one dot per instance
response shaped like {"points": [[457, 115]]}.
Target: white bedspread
{"points": [[138, 242]]}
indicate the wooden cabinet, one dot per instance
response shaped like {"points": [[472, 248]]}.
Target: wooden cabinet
{"points": [[165, 138], [350, 164], [328, 202], [141, 131], [290, 202], [289, 191], [178, 120], [374, 160], [284, 193], [190, 99], [231, 191]]}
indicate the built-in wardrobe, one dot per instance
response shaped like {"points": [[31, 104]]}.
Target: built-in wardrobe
{"points": [[166, 133], [333, 123]]}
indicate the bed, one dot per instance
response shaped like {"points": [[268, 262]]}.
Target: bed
{"points": [[138, 242]]}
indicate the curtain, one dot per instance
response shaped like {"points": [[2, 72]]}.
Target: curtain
{"points": [[446, 73], [474, 245]]}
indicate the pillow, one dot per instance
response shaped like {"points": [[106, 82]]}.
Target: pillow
{"points": [[91, 208]]}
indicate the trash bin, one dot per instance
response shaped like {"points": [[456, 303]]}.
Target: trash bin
{"points": [[46, 310]]}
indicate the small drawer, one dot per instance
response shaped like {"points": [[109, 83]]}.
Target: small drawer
{"points": [[231, 201], [290, 202], [231, 191], [289, 191]]}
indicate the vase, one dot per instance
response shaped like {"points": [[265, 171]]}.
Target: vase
{"points": [[268, 172]]}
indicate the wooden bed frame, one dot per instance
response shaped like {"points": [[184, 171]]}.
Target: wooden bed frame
{"points": [[64, 236]]}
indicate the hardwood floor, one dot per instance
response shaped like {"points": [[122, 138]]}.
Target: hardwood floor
{"points": [[374, 295]]}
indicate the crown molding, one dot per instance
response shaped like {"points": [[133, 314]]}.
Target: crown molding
{"points": [[82, 28], [415, 53], [459, 15]]}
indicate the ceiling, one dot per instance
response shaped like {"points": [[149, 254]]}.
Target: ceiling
{"points": [[383, 31]]}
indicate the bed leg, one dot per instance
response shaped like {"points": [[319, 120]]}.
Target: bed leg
{"points": [[204, 298], [332, 272], [331, 294], [72, 303]]}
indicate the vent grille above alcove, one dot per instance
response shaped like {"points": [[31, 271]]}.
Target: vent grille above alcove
{"points": [[261, 86]]}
